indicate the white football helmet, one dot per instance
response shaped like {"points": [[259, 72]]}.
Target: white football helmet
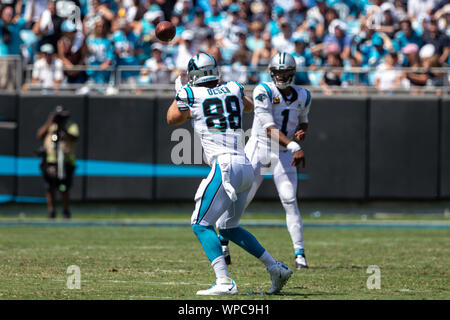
{"points": [[282, 69], [202, 68]]}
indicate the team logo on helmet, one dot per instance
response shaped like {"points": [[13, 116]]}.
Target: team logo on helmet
{"points": [[202, 68], [192, 65], [282, 69]]}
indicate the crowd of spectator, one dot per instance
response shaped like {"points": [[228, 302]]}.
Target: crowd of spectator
{"points": [[381, 35]]}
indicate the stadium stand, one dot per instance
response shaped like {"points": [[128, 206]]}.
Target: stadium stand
{"points": [[102, 45]]}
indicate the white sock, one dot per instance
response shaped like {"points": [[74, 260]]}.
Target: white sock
{"points": [[267, 259], [220, 267]]}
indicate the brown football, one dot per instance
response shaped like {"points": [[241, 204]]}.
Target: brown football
{"points": [[165, 31]]}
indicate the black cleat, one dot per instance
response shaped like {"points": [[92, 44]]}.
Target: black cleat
{"points": [[66, 214], [228, 259], [52, 215]]}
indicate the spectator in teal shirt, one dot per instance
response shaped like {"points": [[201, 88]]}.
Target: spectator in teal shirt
{"points": [[215, 17], [406, 35], [255, 41], [147, 29], [353, 78], [304, 58], [99, 53], [10, 40], [126, 41], [273, 26], [373, 52]]}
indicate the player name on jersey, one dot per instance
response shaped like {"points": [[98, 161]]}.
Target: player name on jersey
{"points": [[218, 90]]}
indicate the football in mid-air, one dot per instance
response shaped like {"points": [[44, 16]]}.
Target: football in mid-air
{"points": [[165, 31]]}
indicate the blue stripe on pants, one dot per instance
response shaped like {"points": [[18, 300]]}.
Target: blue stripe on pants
{"points": [[210, 192]]}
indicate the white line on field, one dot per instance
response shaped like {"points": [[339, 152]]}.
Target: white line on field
{"points": [[149, 297], [168, 283], [52, 248]]}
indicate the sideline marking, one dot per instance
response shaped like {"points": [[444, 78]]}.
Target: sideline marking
{"points": [[270, 224]]}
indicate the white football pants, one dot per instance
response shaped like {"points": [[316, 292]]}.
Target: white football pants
{"points": [[285, 177], [213, 202]]}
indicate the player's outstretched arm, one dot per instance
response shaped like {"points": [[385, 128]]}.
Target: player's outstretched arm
{"points": [[175, 116], [248, 104], [298, 156]]}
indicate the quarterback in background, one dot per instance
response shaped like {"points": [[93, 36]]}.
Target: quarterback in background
{"points": [[281, 114], [216, 112]]}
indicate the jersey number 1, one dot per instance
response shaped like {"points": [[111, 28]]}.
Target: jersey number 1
{"points": [[217, 120], [285, 115]]}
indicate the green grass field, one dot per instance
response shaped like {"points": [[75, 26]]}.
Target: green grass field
{"points": [[123, 262]]}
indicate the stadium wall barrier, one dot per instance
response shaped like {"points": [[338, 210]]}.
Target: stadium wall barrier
{"points": [[336, 149], [8, 107], [358, 148], [8, 132], [8, 172], [404, 147], [444, 186], [121, 147]]}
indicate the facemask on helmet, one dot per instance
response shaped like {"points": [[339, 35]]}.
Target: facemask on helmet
{"points": [[202, 68], [282, 69]]}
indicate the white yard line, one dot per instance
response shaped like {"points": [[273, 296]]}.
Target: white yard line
{"points": [[164, 283]]}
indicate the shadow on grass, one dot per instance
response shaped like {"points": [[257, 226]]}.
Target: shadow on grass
{"points": [[335, 267], [307, 295], [290, 293]]}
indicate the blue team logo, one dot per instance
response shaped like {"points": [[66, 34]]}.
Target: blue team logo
{"points": [[261, 97], [192, 65]]}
